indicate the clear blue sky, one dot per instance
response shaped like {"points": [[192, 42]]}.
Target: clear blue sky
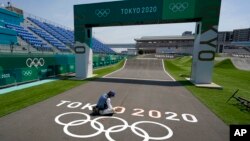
{"points": [[234, 14]]}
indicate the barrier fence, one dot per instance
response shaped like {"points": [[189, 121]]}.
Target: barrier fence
{"points": [[100, 60], [22, 68]]}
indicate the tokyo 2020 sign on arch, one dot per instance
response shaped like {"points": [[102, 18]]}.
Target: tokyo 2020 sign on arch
{"points": [[137, 12]]}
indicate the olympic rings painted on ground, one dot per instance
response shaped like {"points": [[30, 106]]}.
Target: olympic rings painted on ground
{"points": [[169, 135], [65, 129], [178, 7], [27, 73], [114, 129], [76, 123], [61, 123], [35, 62], [101, 13]]}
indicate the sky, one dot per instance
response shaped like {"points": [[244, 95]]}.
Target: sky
{"points": [[235, 14]]}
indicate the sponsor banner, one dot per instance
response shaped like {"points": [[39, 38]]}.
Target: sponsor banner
{"points": [[26, 74], [102, 60], [7, 77], [22, 68], [127, 12]]}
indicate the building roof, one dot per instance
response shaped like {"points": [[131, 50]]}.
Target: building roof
{"points": [[121, 45], [153, 38]]}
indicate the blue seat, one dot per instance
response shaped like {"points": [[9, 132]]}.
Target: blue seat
{"points": [[48, 38], [25, 35], [65, 36]]}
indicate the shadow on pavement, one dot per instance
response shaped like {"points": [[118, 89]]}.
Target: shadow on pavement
{"points": [[144, 82]]}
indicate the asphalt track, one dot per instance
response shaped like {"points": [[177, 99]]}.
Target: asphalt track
{"points": [[142, 69], [153, 108], [241, 63]]}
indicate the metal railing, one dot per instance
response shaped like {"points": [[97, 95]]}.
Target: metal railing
{"points": [[26, 50]]}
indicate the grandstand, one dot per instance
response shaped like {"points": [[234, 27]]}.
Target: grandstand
{"points": [[32, 48], [34, 35], [99, 47], [236, 51], [28, 37], [235, 43]]}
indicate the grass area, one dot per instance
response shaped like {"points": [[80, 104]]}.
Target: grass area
{"points": [[17, 100], [217, 55], [226, 75]]}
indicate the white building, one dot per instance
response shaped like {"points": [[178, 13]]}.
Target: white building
{"points": [[123, 48], [166, 44]]}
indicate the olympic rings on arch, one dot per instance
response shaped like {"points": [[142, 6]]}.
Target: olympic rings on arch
{"points": [[35, 62], [178, 7], [99, 127], [101, 13]]}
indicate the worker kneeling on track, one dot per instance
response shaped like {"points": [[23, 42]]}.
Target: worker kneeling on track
{"points": [[104, 106]]}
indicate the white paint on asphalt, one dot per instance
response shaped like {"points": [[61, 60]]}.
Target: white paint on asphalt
{"points": [[166, 71], [113, 129], [146, 58], [137, 112], [132, 78]]}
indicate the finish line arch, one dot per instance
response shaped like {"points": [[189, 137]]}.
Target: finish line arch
{"points": [[137, 12]]}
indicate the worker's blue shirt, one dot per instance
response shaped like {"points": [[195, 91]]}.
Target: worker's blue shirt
{"points": [[102, 102]]}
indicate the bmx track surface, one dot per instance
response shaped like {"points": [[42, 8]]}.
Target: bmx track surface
{"points": [[150, 104]]}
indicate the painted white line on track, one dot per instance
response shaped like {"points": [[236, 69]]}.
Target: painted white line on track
{"points": [[131, 78], [117, 70], [166, 71], [147, 58]]}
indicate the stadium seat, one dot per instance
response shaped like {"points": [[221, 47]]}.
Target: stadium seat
{"points": [[65, 36], [28, 37], [49, 39], [50, 29]]}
